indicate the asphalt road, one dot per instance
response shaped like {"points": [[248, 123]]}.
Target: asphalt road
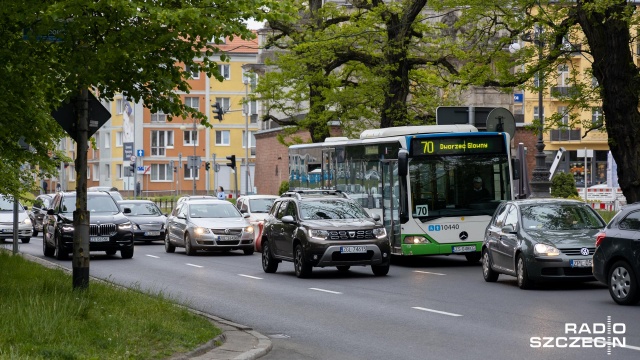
{"points": [[426, 308]]}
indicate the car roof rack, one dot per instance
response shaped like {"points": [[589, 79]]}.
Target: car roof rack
{"points": [[315, 193]]}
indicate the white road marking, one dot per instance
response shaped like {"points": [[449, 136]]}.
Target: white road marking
{"points": [[327, 291], [251, 277], [427, 272], [153, 256], [632, 347], [198, 266], [435, 311]]}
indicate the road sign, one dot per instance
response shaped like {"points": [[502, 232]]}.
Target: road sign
{"points": [[140, 152], [133, 158], [67, 116]]}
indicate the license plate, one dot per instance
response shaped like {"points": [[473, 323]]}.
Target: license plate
{"points": [[581, 263], [152, 233], [353, 249], [99, 239], [463, 249], [227, 237]]}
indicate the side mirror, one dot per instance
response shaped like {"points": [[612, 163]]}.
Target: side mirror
{"points": [[126, 210], [403, 162], [508, 229], [288, 219], [376, 217], [50, 212], [246, 215], [243, 211], [180, 216]]}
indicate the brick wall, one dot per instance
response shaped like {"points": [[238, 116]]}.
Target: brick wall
{"points": [[529, 139]]}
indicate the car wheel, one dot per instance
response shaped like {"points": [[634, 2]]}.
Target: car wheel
{"points": [[474, 257], [60, 254], [248, 251], [524, 282], [300, 264], [110, 252], [46, 249], [187, 245], [343, 268], [623, 284], [127, 253], [168, 246], [25, 240], [269, 263], [380, 270], [487, 272]]}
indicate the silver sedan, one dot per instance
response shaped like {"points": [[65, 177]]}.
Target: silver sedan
{"points": [[205, 224]]}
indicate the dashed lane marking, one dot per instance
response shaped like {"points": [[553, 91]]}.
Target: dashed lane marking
{"points": [[427, 272], [435, 311], [194, 265], [250, 277], [327, 291]]}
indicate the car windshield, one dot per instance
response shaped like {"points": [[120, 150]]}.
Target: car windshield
{"points": [[560, 217], [331, 209], [142, 209], [6, 204], [261, 205], [213, 211], [95, 204]]}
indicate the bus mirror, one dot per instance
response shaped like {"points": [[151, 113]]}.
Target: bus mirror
{"points": [[515, 168], [403, 162]]}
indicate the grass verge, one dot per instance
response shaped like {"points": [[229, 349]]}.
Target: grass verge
{"points": [[42, 317]]}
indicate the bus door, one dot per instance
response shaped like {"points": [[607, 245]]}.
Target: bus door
{"points": [[391, 203], [328, 168]]}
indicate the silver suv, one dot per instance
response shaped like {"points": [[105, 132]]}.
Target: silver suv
{"points": [[323, 228]]}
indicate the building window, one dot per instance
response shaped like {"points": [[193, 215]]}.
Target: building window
{"points": [[222, 137], [119, 139], [252, 139], [72, 173], [190, 138], [195, 75], [119, 171], [252, 105], [107, 140], [192, 101], [225, 103], [159, 117], [96, 172], [596, 115], [187, 172], [161, 172], [536, 114], [562, 110], [107, 171], [119, 106], [160, 140], [563, 75], [225, 71]]}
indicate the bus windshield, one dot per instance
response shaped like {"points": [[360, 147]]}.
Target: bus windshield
{"points": [[458, 185]]}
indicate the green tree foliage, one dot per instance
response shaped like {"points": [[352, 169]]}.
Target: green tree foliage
{"points": [[284, 187], [563, 185], [136, 48]]}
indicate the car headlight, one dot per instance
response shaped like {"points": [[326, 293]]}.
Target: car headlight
{"points": [[415, 240], [544, 249], [201, 230], [125, 226], [26, 221], [380, 232], [248, 229], [67, 228], [318, 234]]}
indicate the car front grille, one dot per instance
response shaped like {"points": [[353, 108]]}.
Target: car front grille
{"points": [[576, 251], [150, 226], [102, 230], [223, 231], [350, 235]]}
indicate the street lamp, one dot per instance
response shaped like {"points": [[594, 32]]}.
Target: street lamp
{"points": [[246, 80], [193, 162], [540, 183]]}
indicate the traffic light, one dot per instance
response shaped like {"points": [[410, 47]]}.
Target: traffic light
{"points": [[218, 111], [207, 165], [232, 161], [133, 167]]}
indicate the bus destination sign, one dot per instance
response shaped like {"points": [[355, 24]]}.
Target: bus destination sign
{"points": [[457, 145]]}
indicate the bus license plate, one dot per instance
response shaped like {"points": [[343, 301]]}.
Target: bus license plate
{"points": [[353, 249], [581, 263], [152, 233], [99, 239], [463, 249]]}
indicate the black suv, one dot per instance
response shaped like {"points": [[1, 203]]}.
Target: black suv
{"points": [[323, 228], [616, 261], [109, 229]]}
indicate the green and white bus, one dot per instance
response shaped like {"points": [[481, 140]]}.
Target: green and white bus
{"points": [[419, 179]]}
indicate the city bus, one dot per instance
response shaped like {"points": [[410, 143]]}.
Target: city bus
{"points": [[419, 179]]}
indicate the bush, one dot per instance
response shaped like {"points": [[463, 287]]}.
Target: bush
{"points": [[284, 187], [563, 185]]}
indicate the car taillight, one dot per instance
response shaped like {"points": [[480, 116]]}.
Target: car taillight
{"points": [[599, 237]]}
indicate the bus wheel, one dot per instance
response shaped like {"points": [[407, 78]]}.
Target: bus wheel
{"points": [[473, 258]]}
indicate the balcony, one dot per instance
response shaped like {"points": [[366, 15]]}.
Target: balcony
{"points": [[565, 135], [563, 91]]}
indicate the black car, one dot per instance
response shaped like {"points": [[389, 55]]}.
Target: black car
{"points": [[539, 240], [147, 219], [39, 210], [616, 261], [323, 228], [110, 230]]}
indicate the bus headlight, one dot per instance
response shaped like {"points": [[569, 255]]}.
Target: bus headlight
{"points": [[415, 240], [380, 233]]}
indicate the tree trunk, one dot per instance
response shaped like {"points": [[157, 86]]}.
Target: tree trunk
{"points": [[613, 66], [81, 215], [394, 112]]}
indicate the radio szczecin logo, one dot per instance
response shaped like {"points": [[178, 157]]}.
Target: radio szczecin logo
{"points": [[584, 335]]}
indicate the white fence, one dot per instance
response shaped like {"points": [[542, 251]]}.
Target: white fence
{"points": [[604, 198]]}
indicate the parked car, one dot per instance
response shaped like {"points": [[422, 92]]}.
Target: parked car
{"points": [[147, 219], [257, 206], [39, 211], [208, 224], [113, 191], [540, 239], [323, 228], [616, 261], [194, 197], [6, 221], [109, 230]]}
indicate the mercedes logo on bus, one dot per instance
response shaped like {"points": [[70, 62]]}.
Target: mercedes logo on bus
{"points": [[463, 235]]}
